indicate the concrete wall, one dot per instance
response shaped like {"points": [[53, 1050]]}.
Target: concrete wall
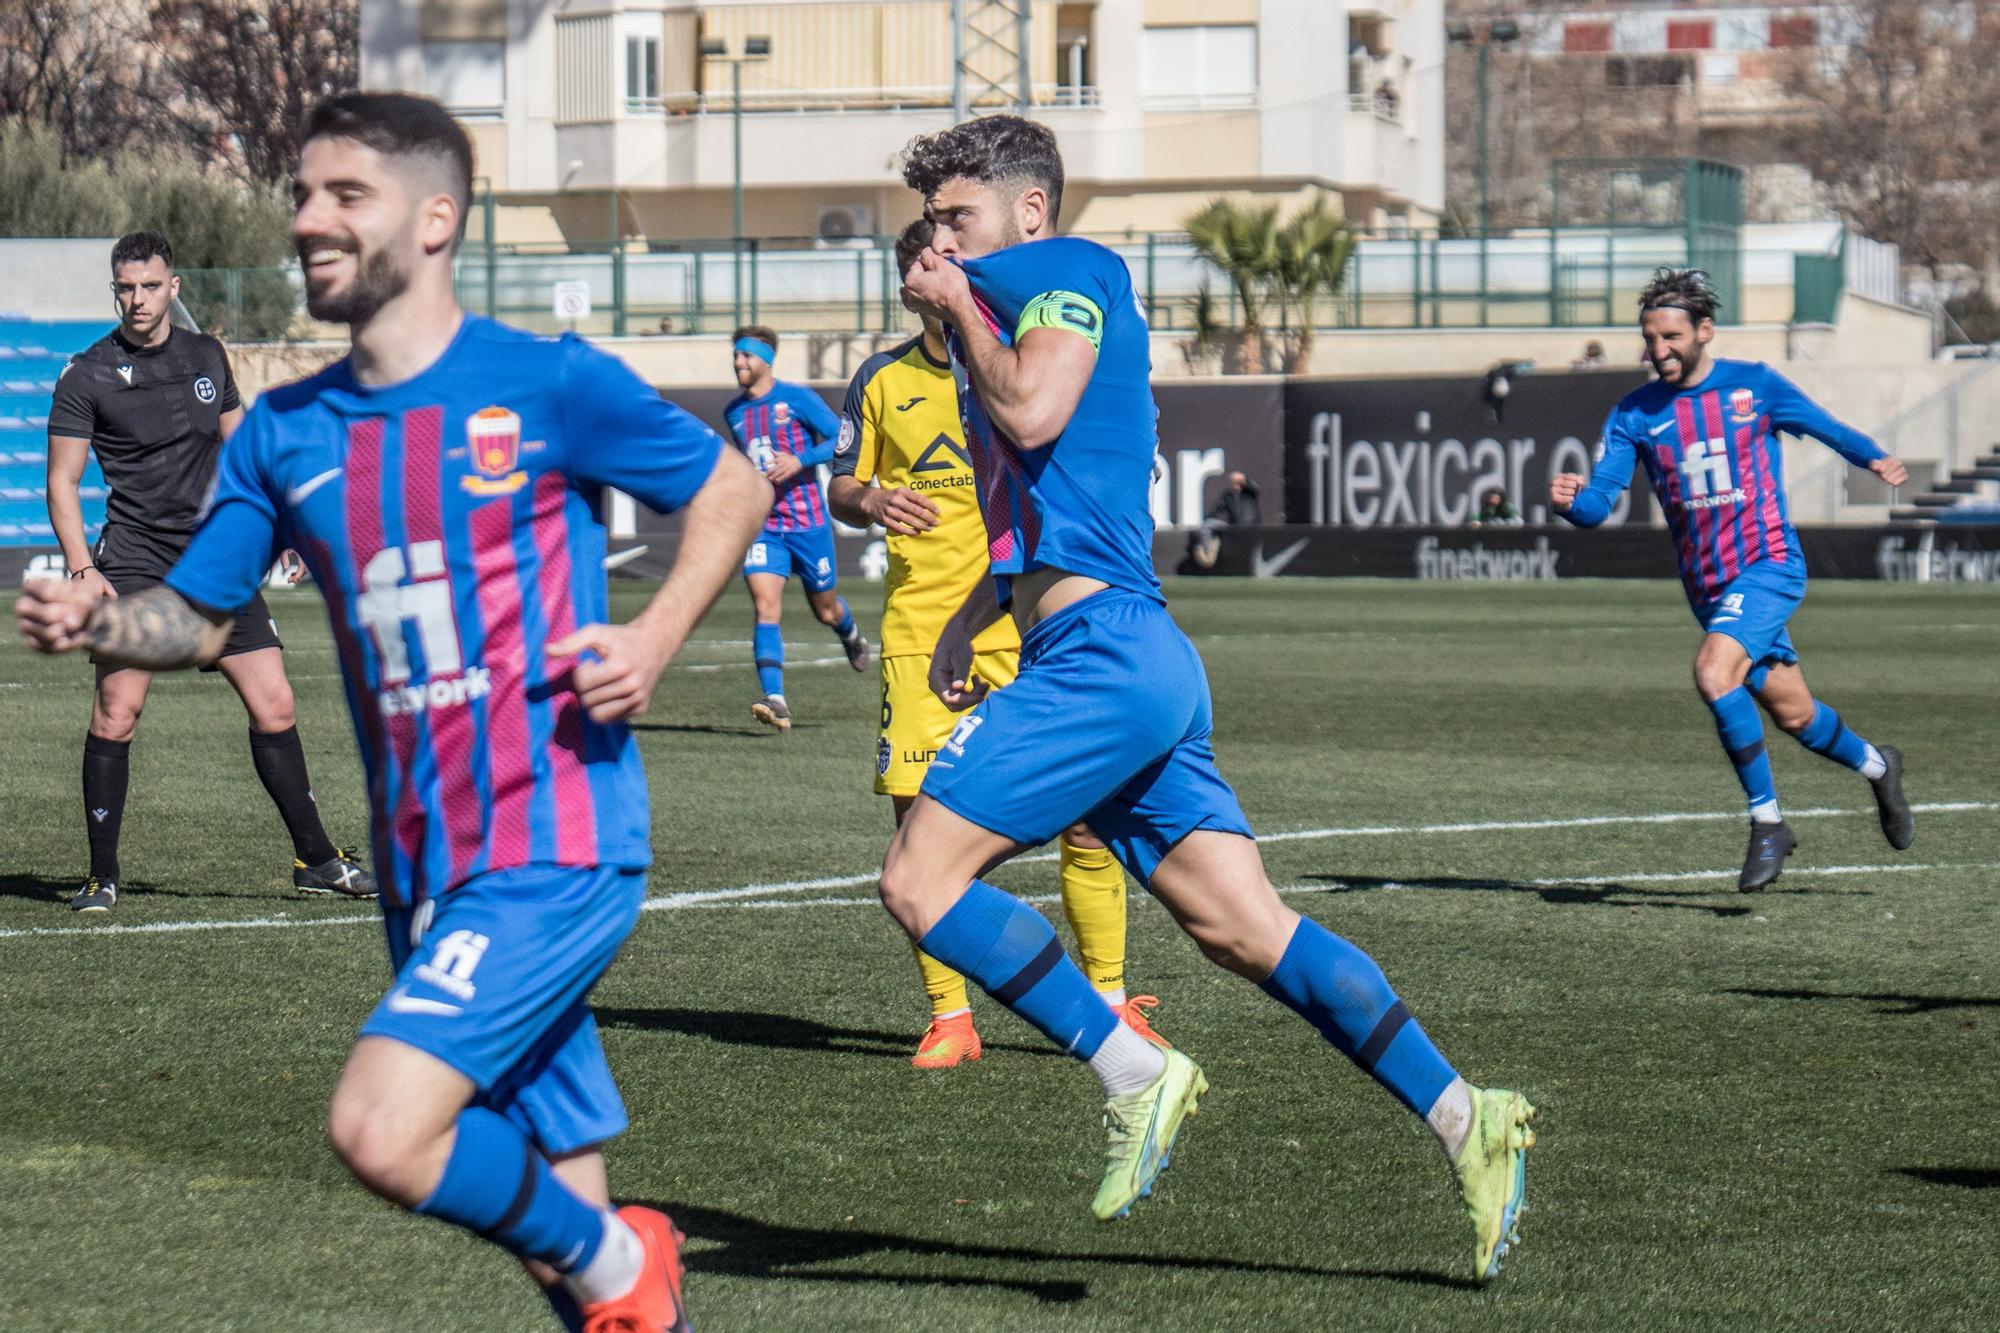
{"points": [[56, 279]]}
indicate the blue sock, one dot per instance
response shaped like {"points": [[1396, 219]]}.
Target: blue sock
{"points": [[1339, 990], [845, 629], [1741, 728], [1010, 949], [497, 1185], [769, 649], [1826, 734]]}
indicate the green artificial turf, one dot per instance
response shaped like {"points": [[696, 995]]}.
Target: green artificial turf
{"points": [[1757, 1112]]}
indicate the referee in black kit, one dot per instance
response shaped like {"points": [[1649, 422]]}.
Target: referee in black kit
{"points": [[156, 403]]}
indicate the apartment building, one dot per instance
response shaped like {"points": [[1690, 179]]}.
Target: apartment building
{"points": [[590, 115]]}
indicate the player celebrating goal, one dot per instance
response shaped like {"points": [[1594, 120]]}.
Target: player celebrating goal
{"points": [[899, 428], [156, 403], [788, 431], [444, 481], [1051, 347], [1707, 430]]}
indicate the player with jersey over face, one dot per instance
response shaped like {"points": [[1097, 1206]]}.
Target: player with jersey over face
{"points": [[1707, 431], [787, 431], [900, 430], [155, 403], [445, 483], [1050, 346]]}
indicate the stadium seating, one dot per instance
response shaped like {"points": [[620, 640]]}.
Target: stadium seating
{"points": [[31, 356], [1968, 495]]}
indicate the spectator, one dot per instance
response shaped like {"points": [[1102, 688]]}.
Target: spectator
{"points": [[1496, 510], [1592, 358], [1237, 508], [1385, 99], [666, 327]]}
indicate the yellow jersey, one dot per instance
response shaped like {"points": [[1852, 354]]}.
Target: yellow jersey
{"points": [[900, 427]]}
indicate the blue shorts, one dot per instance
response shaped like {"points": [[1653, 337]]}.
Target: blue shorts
{"points": [[1108, 722], [807, 552], [491, 978], [1753, 609]]}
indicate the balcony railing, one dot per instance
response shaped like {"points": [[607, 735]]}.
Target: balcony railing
{"points": [[800, 101], [1382, 108]]}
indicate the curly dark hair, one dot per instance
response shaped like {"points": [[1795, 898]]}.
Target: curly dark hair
{"points": [[1688, 289], [993, 150], [140, 246], [911, 243]]}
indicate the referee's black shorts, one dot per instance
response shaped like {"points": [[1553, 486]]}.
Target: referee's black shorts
{"points": [[133, 560]]}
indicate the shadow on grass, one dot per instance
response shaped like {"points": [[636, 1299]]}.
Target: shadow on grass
{"points": [[781, 1032], [45, 889], [1557, 895], [699, 728], [1963, 1177], [1890, 1002], [768, 1250]]}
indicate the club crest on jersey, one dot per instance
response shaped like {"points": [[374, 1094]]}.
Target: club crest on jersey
{"points": [[204, 389], [1743, 405], [781, 413], [495, 436]]}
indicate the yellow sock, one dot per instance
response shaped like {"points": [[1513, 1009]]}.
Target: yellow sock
{"points": [[1093, 896], [945, 987]]}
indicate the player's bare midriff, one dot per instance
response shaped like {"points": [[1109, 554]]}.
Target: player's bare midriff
{"points": [[1042, 593]]}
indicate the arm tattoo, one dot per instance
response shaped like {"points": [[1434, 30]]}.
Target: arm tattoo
{"points": [[156, 630]]}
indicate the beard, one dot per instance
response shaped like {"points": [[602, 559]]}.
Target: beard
{"points": [[378, 280]]}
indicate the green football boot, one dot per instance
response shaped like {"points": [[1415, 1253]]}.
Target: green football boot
{"points": [[1492, 1173], [1141, 1126]]}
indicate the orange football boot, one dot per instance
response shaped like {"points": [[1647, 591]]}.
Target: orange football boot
{"points": [[1129, 1014], [654, 1303], [946, 1042]]}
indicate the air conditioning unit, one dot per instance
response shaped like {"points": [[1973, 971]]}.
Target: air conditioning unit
{"points": [[842, 225]]}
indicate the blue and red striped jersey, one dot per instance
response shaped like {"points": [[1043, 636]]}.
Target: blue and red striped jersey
{"points": [[790, 419], [1079, 503], [1713, 455], [453, 524]]}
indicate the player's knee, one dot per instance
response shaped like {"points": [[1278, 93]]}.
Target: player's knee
{"points": [[913, 894], [375, 1148], [1242, 951], [1713, 677], [115, 719], [274, 712], [1078, 835], [1792, 717]]}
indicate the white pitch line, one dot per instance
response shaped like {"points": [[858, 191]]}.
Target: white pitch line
{"points": [[778, 891], [1672, 877]]}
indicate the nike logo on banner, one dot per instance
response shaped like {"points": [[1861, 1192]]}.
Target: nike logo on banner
{"points": [[1655, 430], [904, 407], [296, 496], [400, 1001], [1265, 569]]}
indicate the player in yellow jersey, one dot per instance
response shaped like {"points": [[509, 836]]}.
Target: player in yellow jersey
{"points": [[900, 430]]}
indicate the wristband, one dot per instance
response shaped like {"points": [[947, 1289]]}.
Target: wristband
{"points": [[79, 573]]}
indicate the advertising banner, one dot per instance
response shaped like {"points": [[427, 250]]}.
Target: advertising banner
{"points": [[1422, 452]]}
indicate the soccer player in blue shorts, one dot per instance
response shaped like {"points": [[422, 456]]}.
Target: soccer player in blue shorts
{"points": [[788, 431], [444, 483], [1051, 350], [1707, 430]]}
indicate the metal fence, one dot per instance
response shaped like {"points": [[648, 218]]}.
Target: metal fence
{"points": [[1567, 277]]}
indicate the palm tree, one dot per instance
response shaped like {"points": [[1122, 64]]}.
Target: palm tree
{"points": [[1313, 247], [1243, 243]]}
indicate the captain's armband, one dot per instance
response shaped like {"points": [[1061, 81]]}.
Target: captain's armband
{"points": [[1063, 310]]}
